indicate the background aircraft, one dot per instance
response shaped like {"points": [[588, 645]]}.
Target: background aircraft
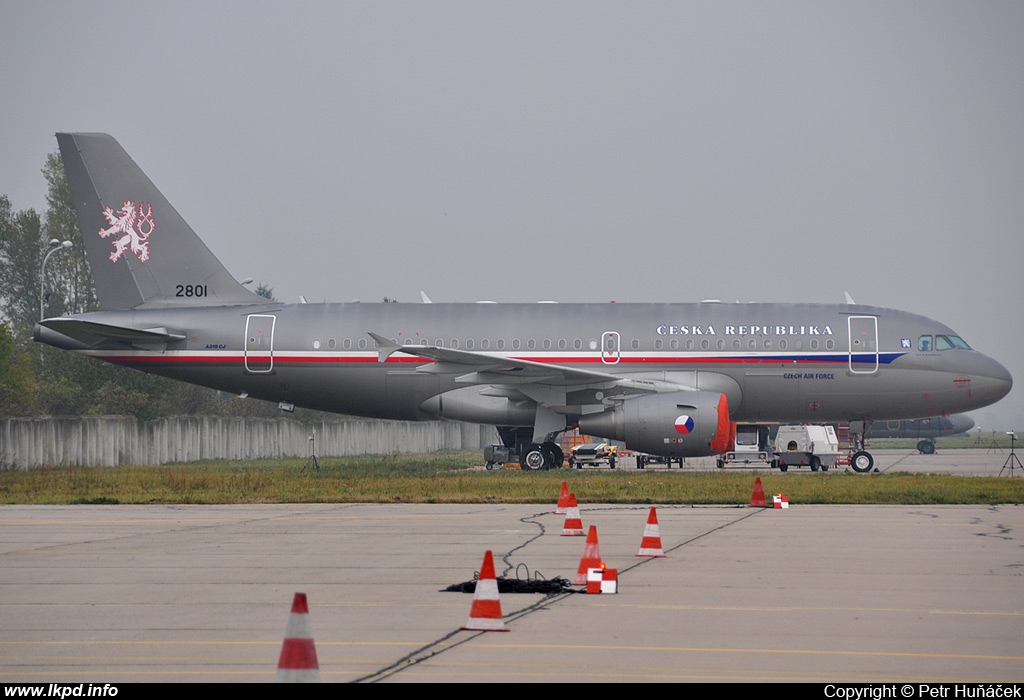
{"points": [[924, 430], [668, 379]]}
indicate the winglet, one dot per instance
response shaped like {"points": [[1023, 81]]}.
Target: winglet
{"points": [[385, 347], [849, 299]]}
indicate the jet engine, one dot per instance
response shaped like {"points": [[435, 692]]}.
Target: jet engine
{"points": [[680, 424]]}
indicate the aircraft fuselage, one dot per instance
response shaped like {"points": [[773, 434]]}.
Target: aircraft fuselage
{"points": [[774, 362]]}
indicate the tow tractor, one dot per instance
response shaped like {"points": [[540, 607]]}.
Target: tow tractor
{"points": [[750, 445]]}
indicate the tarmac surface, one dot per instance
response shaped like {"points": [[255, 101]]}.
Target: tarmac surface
{"points": [[822, 594]]}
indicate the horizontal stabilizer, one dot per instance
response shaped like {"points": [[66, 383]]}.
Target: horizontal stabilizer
{"points": [[97, 334]]}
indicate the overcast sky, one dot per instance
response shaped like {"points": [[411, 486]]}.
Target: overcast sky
{"points": [[568, 151]]}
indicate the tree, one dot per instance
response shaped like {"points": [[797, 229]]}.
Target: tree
{"points": [[265, 292], [71, 285], [16, 381], [20, 258]]}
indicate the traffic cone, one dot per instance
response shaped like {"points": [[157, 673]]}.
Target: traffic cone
{"points": [[572, 526], [650, 545], [298, 654], [757, 500], [591, 557], [780, 501], [485, 615], [563, 500]]}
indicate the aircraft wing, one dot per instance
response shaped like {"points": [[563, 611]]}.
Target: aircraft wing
{"points": [[479, 368], [102, 334]]}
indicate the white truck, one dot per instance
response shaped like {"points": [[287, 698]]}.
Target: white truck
{"points": [[816, 446]]}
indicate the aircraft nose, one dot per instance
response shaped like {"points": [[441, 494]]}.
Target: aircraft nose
{"points": [[995, 381]]}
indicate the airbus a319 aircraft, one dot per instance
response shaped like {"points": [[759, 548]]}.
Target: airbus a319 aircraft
{"points": [[669, 379]]}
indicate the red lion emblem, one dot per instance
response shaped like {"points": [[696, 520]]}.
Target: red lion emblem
{"points": [[133, 227]]}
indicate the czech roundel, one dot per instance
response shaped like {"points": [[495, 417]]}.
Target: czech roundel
{"points": [[684, 425]]}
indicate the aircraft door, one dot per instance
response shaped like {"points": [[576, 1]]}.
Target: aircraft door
{"points": [[259, 343], [610, 347], [863, 332]]}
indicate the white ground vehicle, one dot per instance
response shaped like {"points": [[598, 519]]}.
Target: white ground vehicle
{"points": [[592, 454], [816, 446]]}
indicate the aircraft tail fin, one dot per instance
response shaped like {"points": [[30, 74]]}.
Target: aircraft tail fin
{"points": [[140, 251]]}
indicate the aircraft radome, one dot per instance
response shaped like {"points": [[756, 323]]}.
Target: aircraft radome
{"points": [[669, 379]]}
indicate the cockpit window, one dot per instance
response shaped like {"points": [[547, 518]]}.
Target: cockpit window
{"points": [[924, 343], [948, 342]]}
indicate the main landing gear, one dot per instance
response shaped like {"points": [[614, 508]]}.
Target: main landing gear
{"points": [[535, 457]]}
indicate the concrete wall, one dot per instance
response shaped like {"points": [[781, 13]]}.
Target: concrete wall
{"points": [[115, 440]]}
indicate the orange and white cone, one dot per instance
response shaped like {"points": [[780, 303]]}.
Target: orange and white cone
{"points": [[563, 500], [591, 557], [757, 499], [572, 526], [650, 545], [485, 615], [298, 654]]}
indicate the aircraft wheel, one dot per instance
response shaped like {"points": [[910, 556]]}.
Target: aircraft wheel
{"points": [[815, 463], [862, 462], [553, 455], [533, 459], [926, 447]]}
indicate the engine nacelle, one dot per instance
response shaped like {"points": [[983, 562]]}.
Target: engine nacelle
{"points": [[680, 424], [469, 405]]}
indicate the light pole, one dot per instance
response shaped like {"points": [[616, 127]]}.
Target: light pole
{"points": [[53, 246]]}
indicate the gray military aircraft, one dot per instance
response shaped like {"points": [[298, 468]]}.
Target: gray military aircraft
{"points": [[924, 430], [668, 379]]}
